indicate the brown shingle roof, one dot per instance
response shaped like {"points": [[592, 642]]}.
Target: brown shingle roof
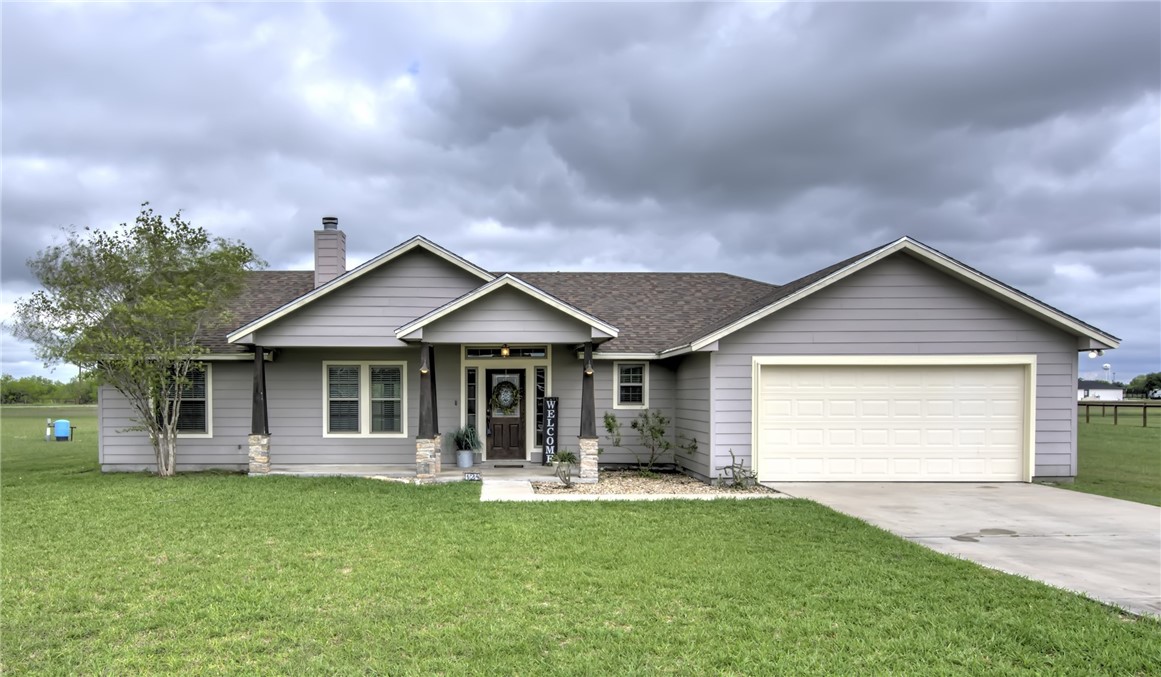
{"points": [[265, 291], [765, 300], [651, 310]]}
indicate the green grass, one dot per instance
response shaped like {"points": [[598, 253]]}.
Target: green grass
{"points": [[119, 574], [1120, 461], [1127, 416]]}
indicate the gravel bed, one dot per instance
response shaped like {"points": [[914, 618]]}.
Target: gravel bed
{"points": [[632, 482]]}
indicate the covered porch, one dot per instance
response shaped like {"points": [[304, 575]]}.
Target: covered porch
{"points": [[526, 402]]}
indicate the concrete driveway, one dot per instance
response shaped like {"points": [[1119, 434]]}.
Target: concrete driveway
{"points": [[1105, 548]]}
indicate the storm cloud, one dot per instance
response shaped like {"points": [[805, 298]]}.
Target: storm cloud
{"points": [[763, 140]]}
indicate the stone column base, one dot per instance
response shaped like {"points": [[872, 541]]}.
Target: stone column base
{"points": [[259, 454], [588, 459], [427, 461]]}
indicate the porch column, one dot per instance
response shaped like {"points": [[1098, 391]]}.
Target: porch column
{"points": [[588, 420], [259, 440], [427, 451]]}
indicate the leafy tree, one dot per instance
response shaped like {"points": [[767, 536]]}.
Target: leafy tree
{"points": [[26, 390], [127, 305], [1145, 383]]}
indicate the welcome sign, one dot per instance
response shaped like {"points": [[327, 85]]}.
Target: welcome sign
{"points": [[550, 410]]}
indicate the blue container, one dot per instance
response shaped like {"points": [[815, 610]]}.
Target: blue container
{"points": [[63, 430]]}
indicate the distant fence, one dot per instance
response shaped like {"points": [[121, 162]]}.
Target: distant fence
{"points": [[1143, 405]]}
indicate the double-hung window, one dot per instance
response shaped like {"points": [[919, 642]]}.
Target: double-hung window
{"points": [[365, 398], [194, 414], [631, 385]]}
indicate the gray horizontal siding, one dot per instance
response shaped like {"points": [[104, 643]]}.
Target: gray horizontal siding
{"points": [[231, 398], [507, 316], [295, 397], [367, 311], [692, 413], [566, 384], [901, 306]]}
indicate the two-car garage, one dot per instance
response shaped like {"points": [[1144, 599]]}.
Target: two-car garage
{"points": [[894, 419]]}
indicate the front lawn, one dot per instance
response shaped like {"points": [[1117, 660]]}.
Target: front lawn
{"points": [[118, 574], [1121, 461]]}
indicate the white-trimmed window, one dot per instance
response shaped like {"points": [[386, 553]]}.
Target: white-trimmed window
{"points": [[630, 385], [364, 398], [195, 411]]}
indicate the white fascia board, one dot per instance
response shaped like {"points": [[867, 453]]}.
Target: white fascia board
{"points": [[506, 280], [1028, 303], [619, 356], [419, 241], [923, 251]]}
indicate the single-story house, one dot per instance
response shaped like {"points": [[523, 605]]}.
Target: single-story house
{"points": [[896, 364], [1099, 390]]}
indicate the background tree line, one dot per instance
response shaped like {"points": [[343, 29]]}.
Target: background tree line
{"points": [[40, 390], [1145, 385]]}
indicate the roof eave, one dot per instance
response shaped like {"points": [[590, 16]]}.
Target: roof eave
{"points": [[913, 246]]}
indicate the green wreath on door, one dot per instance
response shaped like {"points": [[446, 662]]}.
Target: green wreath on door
{"points": [[505, 398]]}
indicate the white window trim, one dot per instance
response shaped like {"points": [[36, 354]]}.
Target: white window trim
{"points": [[364, 398], [617, 384], [482, 364], [209, 408]]}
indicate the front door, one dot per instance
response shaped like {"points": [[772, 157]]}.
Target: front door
{"points": [[505, 407]]}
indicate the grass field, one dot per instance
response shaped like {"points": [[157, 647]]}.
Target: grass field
{"points": [[1121, 461], [118, 574], [1128, 416]]}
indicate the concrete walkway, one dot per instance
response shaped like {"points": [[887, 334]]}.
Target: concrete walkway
{"points": [[1103, 547], [521, 490]]}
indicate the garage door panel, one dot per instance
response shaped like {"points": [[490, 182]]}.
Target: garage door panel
{"points": [[891, 423]]}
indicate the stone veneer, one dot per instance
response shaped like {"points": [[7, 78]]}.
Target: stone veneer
{"points": [[428, 459], [259, 454], [588, 459]]}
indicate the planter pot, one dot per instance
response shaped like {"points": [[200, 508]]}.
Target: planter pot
{"points": [[464, 458]]}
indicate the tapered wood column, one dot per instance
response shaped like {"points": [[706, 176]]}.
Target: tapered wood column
{"points": [[259, 415], [428, 428], [588, 415]]}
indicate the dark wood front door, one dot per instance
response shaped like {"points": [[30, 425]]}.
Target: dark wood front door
{"points": [[505, 407]]}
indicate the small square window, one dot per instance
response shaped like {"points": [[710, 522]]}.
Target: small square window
{"points": [[631, 384]]}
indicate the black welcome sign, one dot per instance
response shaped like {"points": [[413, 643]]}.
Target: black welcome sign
{"points": [[551, 406]]}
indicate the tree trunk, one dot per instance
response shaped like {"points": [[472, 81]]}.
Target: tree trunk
{"points": [[167, 453]]}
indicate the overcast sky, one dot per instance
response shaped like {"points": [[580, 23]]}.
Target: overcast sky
{"points": [[762, 140]]}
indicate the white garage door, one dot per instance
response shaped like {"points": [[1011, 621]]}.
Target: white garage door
{"points": [[891, 423]]}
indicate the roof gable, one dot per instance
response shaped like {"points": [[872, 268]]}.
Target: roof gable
{"points": [[506, 281], [416, 243], [809, 284]]}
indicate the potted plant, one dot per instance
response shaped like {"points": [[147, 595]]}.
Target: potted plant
{"points": [[467, 441]]}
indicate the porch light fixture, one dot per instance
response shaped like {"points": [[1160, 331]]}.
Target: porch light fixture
{"points": [[423, 367], [504, 352], [1093, 354], [588, 370]]}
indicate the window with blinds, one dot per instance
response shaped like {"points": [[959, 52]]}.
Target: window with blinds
{"points": [[365, 398], [193, 409], [386, 399], [343, 398]]}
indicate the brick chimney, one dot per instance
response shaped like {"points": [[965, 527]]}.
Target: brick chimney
{"points": [[330, 251]]}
